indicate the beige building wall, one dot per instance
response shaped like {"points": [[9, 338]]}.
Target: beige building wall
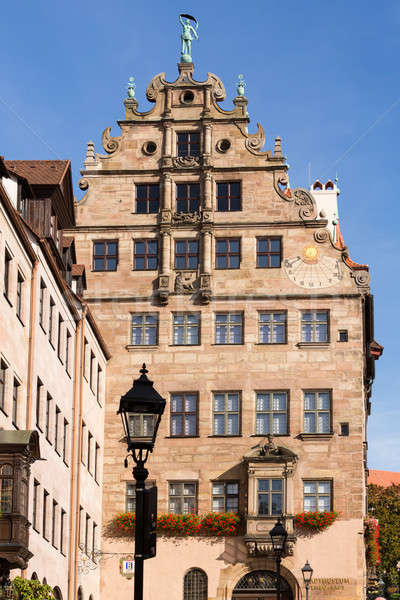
{"points": [[314, 274]]}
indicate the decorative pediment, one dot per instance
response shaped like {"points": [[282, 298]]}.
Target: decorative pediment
{"points": [[267, 451]]}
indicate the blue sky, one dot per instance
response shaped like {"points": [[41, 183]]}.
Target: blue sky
{"points": [[322, 75]]}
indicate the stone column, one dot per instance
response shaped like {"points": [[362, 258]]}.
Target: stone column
{"points": [[166, 252], [167, 192], [206, 265], [207, 182], [167, 139], [207, 139]]}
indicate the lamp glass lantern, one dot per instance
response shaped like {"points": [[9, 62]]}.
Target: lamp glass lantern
{"points": [[307, 571], [278, 537], [141, 409]]}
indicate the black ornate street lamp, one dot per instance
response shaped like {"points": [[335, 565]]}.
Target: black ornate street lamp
{"points": [[141, 409], [278, 537], [307, 571]]}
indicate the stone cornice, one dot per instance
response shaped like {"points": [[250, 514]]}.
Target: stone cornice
{"points": [[238, 297]]}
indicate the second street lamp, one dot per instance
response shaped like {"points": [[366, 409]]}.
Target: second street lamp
{"points": [[141, 409], [278, 537], [307, 571]]}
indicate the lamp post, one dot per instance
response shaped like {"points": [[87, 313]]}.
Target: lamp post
{"points": [[141, 409], [307, 571], [278, 537]]}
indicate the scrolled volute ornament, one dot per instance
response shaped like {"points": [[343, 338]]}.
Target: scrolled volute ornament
{"points": [[254, 141], [321, 236], [110, 144], [303, 198], [361, 278]]}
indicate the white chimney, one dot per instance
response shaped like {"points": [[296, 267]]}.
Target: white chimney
{"points": [[326, 198]]}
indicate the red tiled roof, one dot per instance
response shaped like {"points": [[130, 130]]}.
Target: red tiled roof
{"points": [[39, 172], [383, 478], [78, 270], [341, 246]]}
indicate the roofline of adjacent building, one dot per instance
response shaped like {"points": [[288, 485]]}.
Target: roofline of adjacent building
{"points": [[17, 222]]}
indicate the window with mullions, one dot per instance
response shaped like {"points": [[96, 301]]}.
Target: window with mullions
{"points": [[269, 497], [186, 254], [314, 326], [225, 496], [7, 265], [144, 330], [20, 283], [6, 489], [229, 328], [226, 413], [271, 413], [186, 329], [227, 252], [130, 495], [141, 426], [105, 256], [3, 379], [228, 196], [272, 327], [182, 498], [184, 414], [317, 412], [195, 585], [317, 496], [146, 255], [187, 197], [269, 252], [15, 402], [188, 143], [147, 198]]}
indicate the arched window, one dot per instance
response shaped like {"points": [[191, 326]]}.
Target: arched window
{"points": [[44, 581], [195, 585], [329, 185], [6, 488], [34, 576], [80, 593], [260, 581], [91, 597], [317, 185], [57, 593]]}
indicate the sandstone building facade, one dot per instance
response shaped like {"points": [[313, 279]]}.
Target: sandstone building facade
{"points": [[52, 387], [239, 295]]}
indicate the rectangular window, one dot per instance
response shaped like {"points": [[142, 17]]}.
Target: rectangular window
{"points": [[65, 441], [94, 532], [39, 388], [317, 496], [7, 266], [87, 534], [20, 283], [269, 252], [53, 523], [229, 328], [186, 329], [96, 462], [83, 445], [227, 253], [186, 254], [144, 330], [182, 498], [35, 505], [3, 382], [92, 370], [187, 197], [85, 357], [315, 326], [269, 497], [184, 414], [15, 398], [271, 413], [317, 412], [130, 495], [67, 350], [105, 255], [44, 516], [48, 412], [272, 327], [41, 302], [228, 196], [343, 335], [226, 413], [147, 198], [52, 310], [62, 530], [57, 429], [59, 336], [146, 255], [99, 383], [188, 143], [89, 452], [225, 496]]}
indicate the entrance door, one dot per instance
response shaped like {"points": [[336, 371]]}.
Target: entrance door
{"points": [[260, 585]]}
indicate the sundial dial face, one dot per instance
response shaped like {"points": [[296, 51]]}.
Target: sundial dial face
{"points": [[312, 271]]}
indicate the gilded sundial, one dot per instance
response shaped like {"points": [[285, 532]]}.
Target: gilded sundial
{"points": [[310, 270]]}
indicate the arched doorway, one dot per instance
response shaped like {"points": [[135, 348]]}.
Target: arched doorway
{"points": [[260, 585]]}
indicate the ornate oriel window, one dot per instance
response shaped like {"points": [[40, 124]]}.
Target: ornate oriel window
{"points": [[7, 486], [195, 585]]}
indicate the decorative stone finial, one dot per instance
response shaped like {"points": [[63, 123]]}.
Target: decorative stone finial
{"points": [[278, 147], [131, 87], [186, 37], [90, 154], [143, 370], [241, 84]]}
